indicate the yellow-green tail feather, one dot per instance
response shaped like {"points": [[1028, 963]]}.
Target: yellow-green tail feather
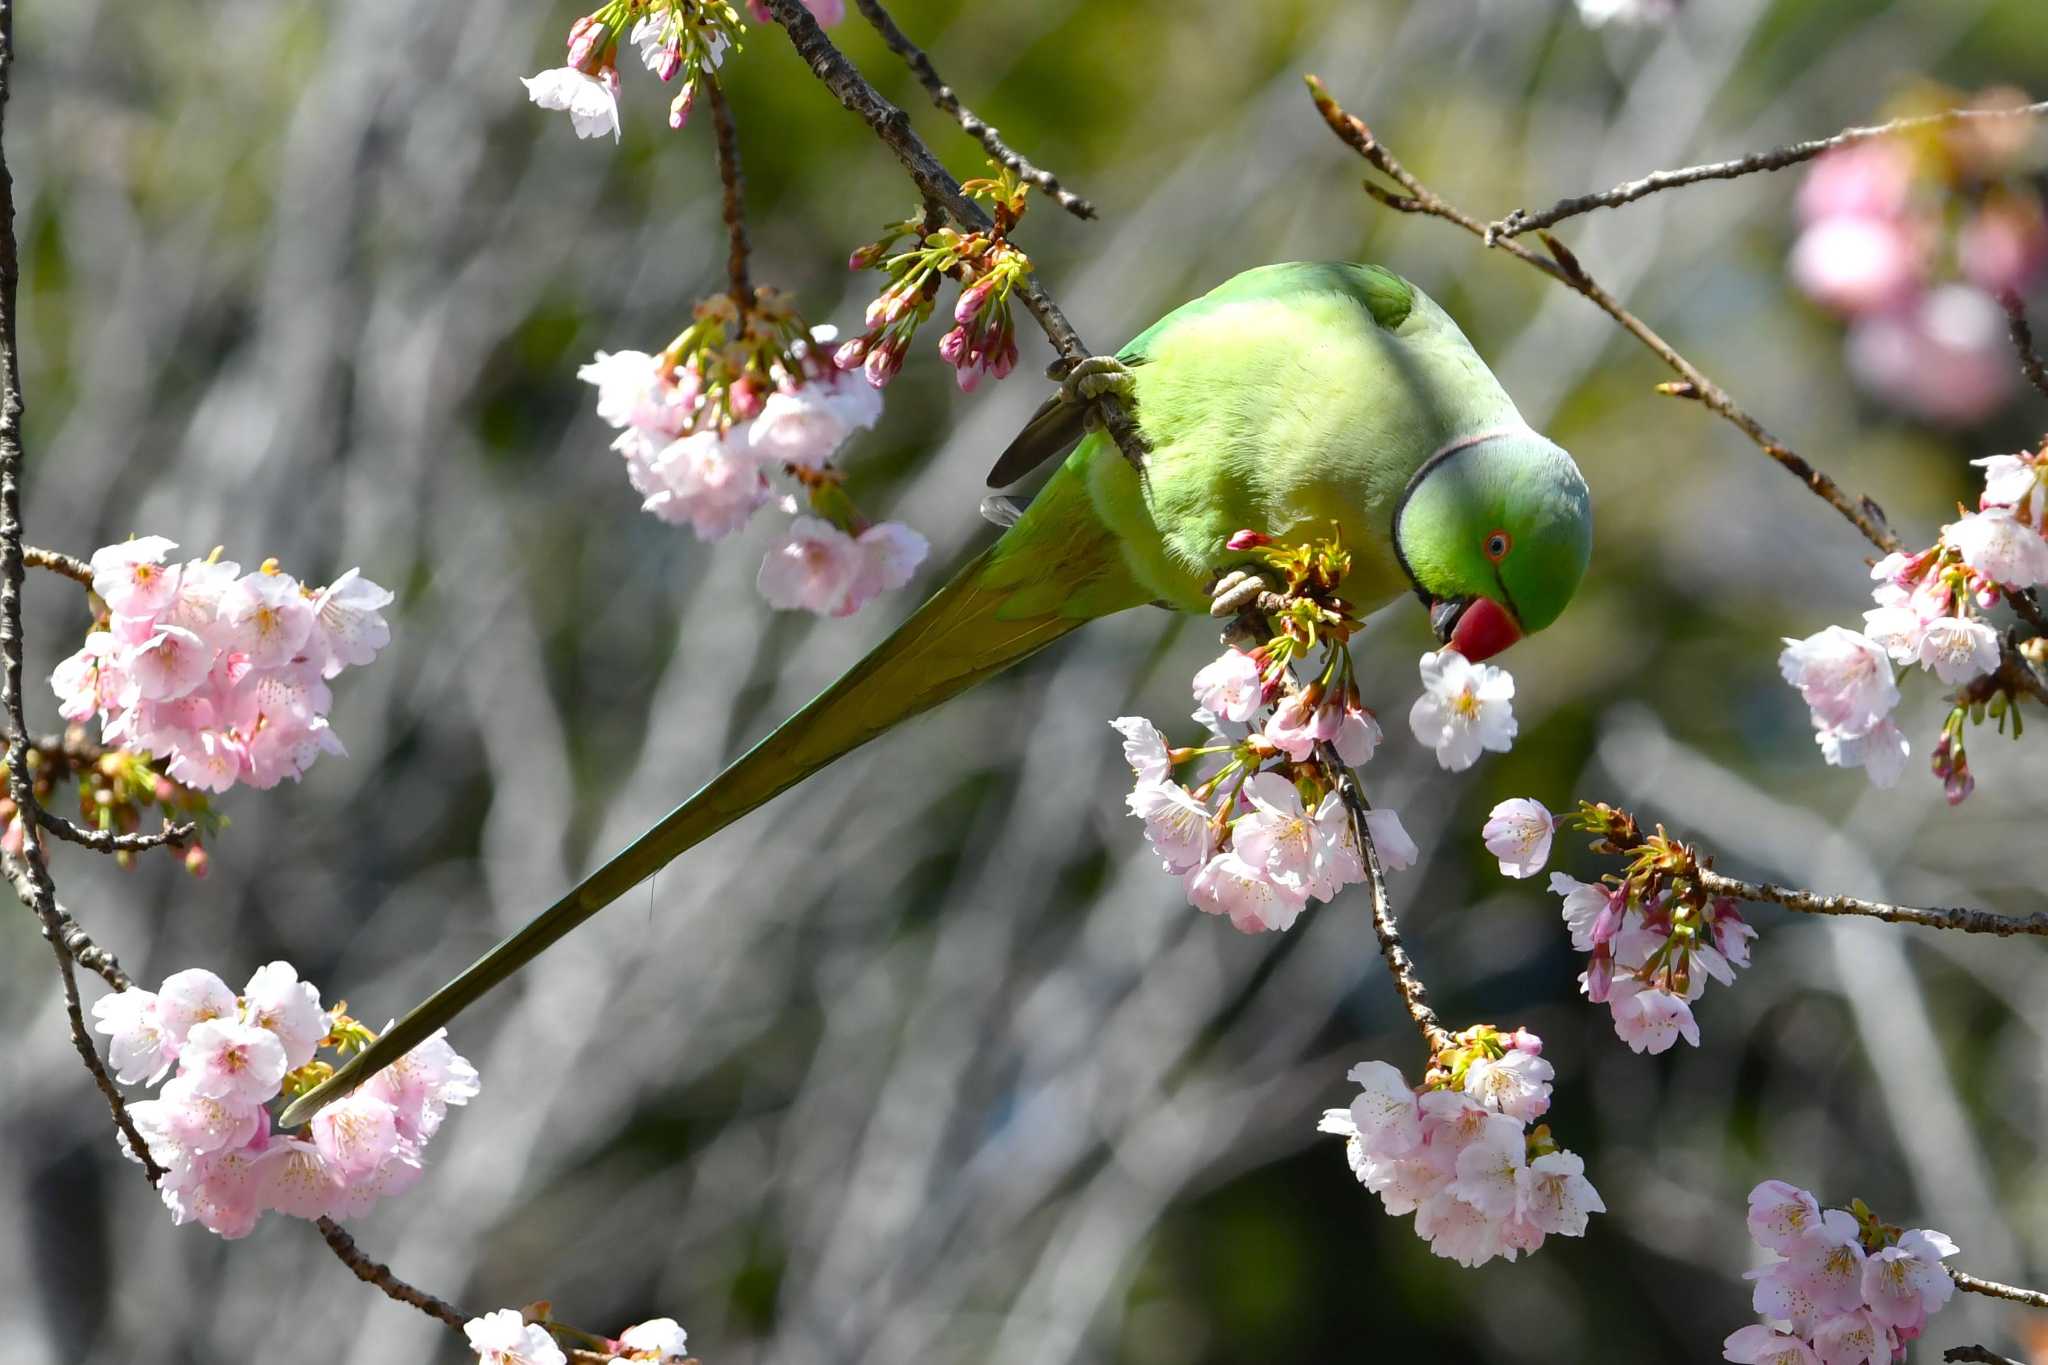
{"points": [[1057, 568]]}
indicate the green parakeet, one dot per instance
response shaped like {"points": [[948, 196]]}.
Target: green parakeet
{"points": [[1289, 400]]}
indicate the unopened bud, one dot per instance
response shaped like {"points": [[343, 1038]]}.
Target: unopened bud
{"points": [[196, 861], [1248, 540], [587, 39], [679, 108]]}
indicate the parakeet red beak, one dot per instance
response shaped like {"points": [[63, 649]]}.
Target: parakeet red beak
{"points": [[1478, 629]]}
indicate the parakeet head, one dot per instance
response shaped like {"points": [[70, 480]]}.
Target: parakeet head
{"points": [[1494, 532]]}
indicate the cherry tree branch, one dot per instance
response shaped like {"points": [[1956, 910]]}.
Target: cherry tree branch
{"points": [[1992, 1289], [1861, 513], [1812, 903], [1414, 995], [2023, 338], [1627, 192], [1981, 1354], [944, 97], [892, 126], [377, 1273], [106, 841], [77, 570], [734, 183]]}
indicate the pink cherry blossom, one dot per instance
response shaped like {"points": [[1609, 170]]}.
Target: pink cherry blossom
{"points": [[1358, 735], [1881, 751], [707, 481], [1180, 829], [889, 555], [191, 997], [1464, 708], [1229, 885], [805, 426], [1782, 1217], [1998, 545], [1518, 832], [1516, 1084], [295, 1180], [814, 568], [267, 618], [1855, 1338], [132, 578], [182, 1122], [1588, 911], [1845, 678], [1858, 265], [137, 1043], [1905, 1282], [348, 623], [170, 663], [1390, 839], [1384, 1114], [1456, 1230], [1649, 1019], [230, 1060], [1230, 687], [1294, 727], [591, 101], [1866, 180], [275, 999], [1144, 748], [356, 1134], [1489, 1168], [1757, 1344], [506, 1338], [1555, 1195], [1959, 649], [1944, 356], [660, 1340], [2015, 481], [421, 1085]]}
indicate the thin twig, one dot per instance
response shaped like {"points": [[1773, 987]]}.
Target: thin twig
{"points": [[71, 936], [1862, 513], [2023, 338], [41, 891], [1414, 995], [735, 183], [73, 568], [1981, 1354], [378, 1274], [1992, 1289], [106, 841], [1811, 903], [1777, 159], [936, 183], [943, 96]]}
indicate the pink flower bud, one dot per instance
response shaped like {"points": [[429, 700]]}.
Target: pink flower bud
{"points": [[587, 40], [745, 397], [851, 353], [1248, 540], [1521, 1040], [968, 378], [1599, 978], [973, 299], [671, 59], [1005, 359], [196, 861], [1608, 922], [953, 347], [163, 790], [679, 108], [882, 364]]}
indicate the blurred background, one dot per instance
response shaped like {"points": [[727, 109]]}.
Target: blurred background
{"points": [[927, 1061]]}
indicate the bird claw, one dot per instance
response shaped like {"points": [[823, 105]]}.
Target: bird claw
{"points": [[1094, 376], [1235, 591]]}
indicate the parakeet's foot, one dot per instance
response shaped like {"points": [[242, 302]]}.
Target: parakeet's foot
{"points": [[1237, 590], [1096, 375]]}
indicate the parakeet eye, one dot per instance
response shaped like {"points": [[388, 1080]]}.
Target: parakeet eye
{"points": [[1497, 546]]}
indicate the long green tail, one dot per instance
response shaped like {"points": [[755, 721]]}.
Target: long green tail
{"points": [[1057, 568]]}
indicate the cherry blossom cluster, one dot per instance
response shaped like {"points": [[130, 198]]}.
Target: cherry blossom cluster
{"points": [[983, 339], [1653, 936], [1458, 1151], [675, 38], [1268, 829], [1925, 330], [221, 674], [209, 1128], [1843, 1289], [1930, 612], [741, 393], [510, 1337]]}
